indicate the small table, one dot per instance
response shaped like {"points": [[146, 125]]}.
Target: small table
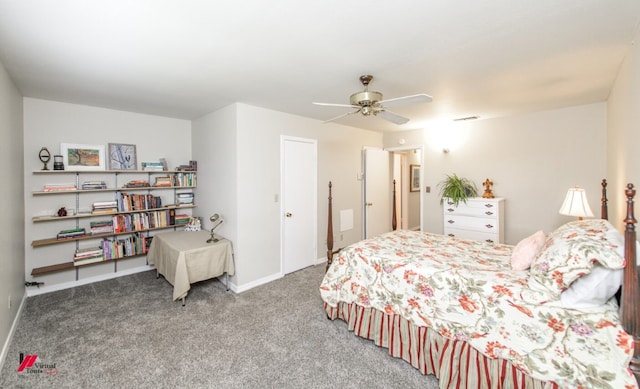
{"points": [[185, 257]]}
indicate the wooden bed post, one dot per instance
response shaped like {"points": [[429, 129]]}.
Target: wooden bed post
{"points": [[329, 231], [394, 218], [630, 289], [604, 213], [330, 250]]}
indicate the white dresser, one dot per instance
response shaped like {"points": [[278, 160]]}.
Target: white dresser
{"points": [[478, 219]]}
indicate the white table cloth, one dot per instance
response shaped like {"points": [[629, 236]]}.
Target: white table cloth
{"points": [[185, 257]]}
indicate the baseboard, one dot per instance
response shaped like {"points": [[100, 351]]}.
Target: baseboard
{"points": [[253, 284], [14, 325], [33, 291]]}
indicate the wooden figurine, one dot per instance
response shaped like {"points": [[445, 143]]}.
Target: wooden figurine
{"points": [[488, 194]]}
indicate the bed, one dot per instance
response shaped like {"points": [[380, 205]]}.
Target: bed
{"points": [[458, 310]]}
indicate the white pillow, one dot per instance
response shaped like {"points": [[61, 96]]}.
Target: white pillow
{"points": [[593, 289]]}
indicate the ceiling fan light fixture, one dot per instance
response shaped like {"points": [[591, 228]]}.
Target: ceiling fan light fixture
{"points": [[365, 98]]}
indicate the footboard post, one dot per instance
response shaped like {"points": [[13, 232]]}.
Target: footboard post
{"points": [[630, 289], [329, 230]]}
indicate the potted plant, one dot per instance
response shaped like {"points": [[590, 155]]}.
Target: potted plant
{"points": [[457, 189]]}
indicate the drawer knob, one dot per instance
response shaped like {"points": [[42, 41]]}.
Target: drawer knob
{"points": [[450, 209], [450, 202], [489, 240], [450, 221], [451, 235], [488, 213], [488, 226], [489, 205]]}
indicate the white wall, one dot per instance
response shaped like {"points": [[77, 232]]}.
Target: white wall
{"points": [[214, 146], [257, 163], [48, 123], [623, 122], [11, 207], [532, 159]]}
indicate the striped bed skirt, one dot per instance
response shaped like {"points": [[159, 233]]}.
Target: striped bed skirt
{"points": [[453, 362]]}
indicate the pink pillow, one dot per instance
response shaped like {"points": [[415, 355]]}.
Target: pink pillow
{"points": [[526, 250]]}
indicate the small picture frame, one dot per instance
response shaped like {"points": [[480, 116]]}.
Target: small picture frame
{"points": [[122, 156], [414, 178], [80, 157]]}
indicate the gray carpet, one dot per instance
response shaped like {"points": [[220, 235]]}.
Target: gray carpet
{"points": [[127, 332]]}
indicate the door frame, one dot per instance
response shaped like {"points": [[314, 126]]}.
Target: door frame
{"points": [[314, 181], [409, 148]]}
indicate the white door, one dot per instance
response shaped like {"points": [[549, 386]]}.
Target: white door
{"points": [[377, 192], [299, 203]]}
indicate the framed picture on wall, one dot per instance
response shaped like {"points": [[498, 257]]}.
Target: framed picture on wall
{"points": [[122, 157], [82, 157], [414, 178]]}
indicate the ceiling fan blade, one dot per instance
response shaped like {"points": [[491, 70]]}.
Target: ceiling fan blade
{"points": [[392, 117], [414, 99], [341, 116], [337, 105]]}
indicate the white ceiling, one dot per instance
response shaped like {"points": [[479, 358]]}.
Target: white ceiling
{"points": [[187, 58]]}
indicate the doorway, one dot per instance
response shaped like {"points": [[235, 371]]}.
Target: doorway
{"points": [[298, 159], [383, 167]]}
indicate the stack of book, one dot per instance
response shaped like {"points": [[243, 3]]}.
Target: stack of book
{"points": [[182, 218], [88, 185], [102, 207], [163, 181], [58, 187], [191, 167], [101, 227], [184, 198], [88, 255], [152, 166], [71, 233], [137, 184]]}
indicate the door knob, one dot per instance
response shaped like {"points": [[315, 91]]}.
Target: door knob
{"points": [[288, 214]]}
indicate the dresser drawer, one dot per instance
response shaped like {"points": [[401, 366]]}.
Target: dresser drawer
{"points": [[484, 212], [472, 223], [473, 235]]}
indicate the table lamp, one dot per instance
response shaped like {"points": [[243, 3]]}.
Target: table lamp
{"points": [[576, 204], [214, 218]]}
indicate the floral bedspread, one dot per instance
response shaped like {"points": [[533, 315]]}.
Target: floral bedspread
{"points": [[466, 290]]}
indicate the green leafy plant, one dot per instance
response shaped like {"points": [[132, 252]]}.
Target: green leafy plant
{"points": [[457, 189]]}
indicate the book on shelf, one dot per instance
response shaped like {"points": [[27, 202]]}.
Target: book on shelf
{"points": [[89, 252], [85, 261], [71, 233], [192, 166], [137, 184], [163, 181], [184, 179], [104, 211], [87, 185], [123, 247], [101, 227], [184, 198], [182, 218], [58, 187], [153, 166], [105, 204]]}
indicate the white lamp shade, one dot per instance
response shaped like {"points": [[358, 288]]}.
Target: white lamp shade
{"points": [[576, 204]]}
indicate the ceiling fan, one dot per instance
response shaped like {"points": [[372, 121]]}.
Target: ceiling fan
{"points": [[371, 103]]}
